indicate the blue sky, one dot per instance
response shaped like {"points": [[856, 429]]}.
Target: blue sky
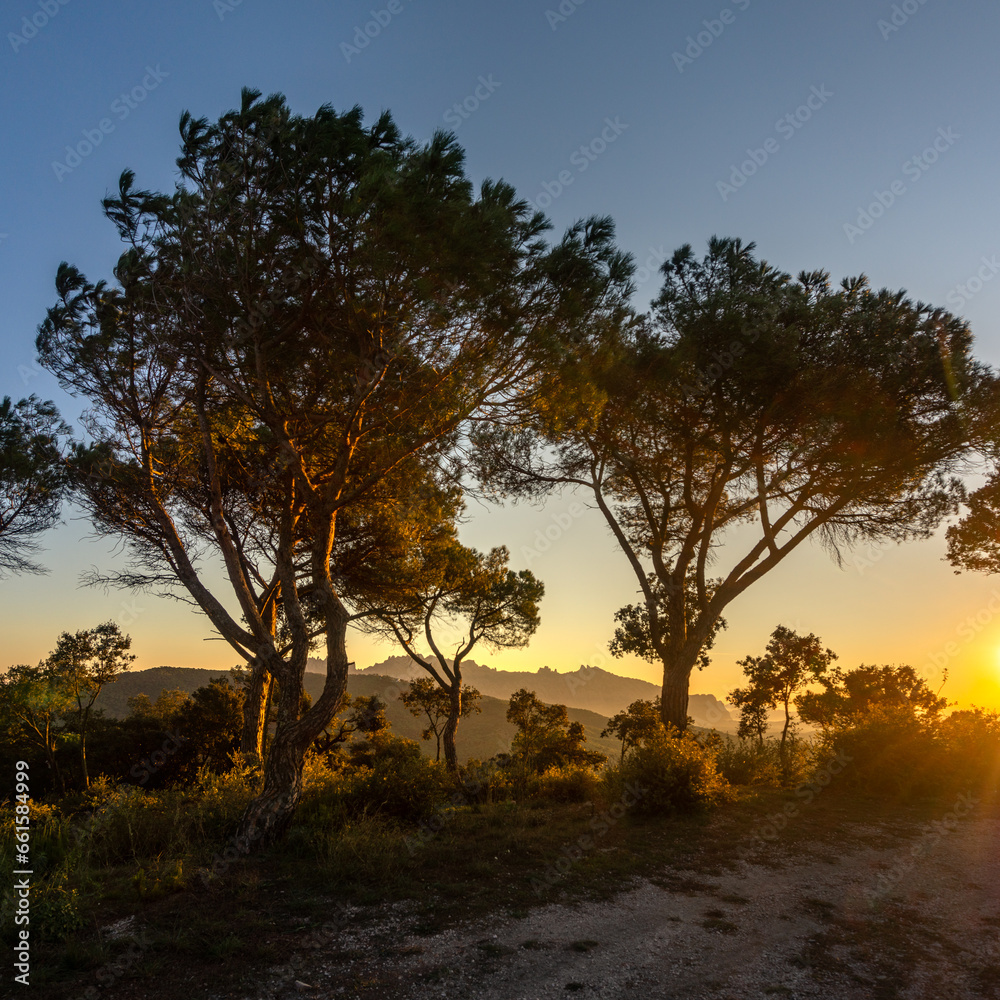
{"points": [[776, 122]]}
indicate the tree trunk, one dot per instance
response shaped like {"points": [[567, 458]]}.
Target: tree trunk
{"points": [[268, 816], [451, 726], [784, 732], [674, 695], [83, 749], [50, 753], [252, 737]]}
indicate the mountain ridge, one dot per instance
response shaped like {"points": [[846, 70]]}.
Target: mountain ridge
{"points": [[587, 688]]}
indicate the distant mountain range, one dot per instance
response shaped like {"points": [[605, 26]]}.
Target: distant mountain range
{"points": [[591, 693], [588, 688]]}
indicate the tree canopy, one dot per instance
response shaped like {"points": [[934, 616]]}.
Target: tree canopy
{"points": [[786, 407]]}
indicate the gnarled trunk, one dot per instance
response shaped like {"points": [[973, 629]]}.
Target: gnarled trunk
{"points": [[451, 726], [252, 737], [267, 817]]}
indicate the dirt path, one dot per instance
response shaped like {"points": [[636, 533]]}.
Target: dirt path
{"points": [[877, 911]]}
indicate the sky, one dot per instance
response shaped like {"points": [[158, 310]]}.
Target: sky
{"points": [[853, 137]]}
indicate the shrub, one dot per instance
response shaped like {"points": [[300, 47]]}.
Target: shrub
{"points": [[751, 762], [488, 781], [569, 784], [675, 773], [892, 753], [400, 784], [748, 762]]}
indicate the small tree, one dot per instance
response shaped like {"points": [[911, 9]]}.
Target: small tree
{"points": [[32, 479], [211, 720], [82, 663], [753, 705], [34, 702], [791, 661], [477, 595], [428, 699], [640, 720], [545, 737]]}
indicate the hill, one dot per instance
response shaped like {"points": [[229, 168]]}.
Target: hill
{"points": [[480, 736], [588, 688]]}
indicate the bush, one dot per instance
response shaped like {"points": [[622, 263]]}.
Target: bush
{"points": [[674, 774], [899, 754], [569, 784], [400, 784], [891, 753], [749, 762], [488, 781]]}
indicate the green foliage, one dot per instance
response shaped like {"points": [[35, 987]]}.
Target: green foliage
{"points": [[545, 737], [83, 662], [889, 723], [398, 783], [764, 762], [570, 783], [211, 721], [672, 773], [635, 636], [55, 907]]}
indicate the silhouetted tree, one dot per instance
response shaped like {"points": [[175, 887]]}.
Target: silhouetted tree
{"points": [[850, 696], [751, 399], [789, 663], [425, 697], [82, 663], [316, 304], [475, 595], [32, 479], [638, 721]]}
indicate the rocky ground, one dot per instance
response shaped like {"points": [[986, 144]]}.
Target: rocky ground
{"points": [[880, 910]]}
